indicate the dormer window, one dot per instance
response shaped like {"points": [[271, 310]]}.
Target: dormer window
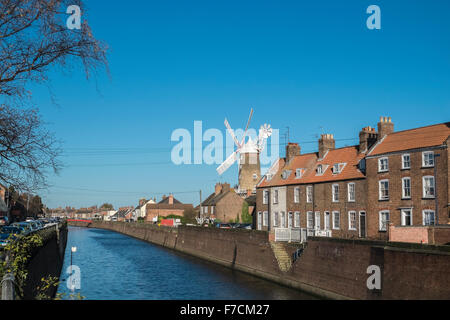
{"points": [[338, 167], [319, 169], [285, 174], [299, 173]]}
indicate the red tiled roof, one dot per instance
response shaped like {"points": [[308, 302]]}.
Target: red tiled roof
{"points": [[348, 155], [429, 136]]}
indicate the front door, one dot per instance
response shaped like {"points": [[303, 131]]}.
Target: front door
{"points": [[327, 221], [362, 224], [259, 220], [317, 222], [283, 219]]}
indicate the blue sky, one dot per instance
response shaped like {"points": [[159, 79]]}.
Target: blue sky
{"points": [[310, 65]]}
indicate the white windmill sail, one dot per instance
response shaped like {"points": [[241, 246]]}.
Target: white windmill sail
{"points": [[239, 145]]}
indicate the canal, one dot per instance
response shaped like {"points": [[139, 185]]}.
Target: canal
{"points": [[117, 267]]}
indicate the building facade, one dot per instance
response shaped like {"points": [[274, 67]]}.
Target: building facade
{"points": [[399, 178], [407, 178]]}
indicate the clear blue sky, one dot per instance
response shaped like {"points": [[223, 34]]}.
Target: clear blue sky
{"points": [[310, 65]]}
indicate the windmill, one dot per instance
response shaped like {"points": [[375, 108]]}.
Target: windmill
{"points": [[248, 159]]}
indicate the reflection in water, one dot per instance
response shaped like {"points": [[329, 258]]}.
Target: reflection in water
{"points": [[115, 266]]}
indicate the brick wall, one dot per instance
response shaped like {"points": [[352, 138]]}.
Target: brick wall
{"points": [[229, 208], [334, 268]]}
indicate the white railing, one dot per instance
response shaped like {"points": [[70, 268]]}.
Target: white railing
{"points": [[322, 233], [290, 234], [299, 234]]}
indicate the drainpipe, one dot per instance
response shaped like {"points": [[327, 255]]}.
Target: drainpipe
{"points": [[435, 189]]}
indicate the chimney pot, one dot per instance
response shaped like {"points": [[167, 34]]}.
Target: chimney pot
{"points": [[326, 143], [385, 127]]}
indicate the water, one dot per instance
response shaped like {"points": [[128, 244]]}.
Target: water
{"points": [[115, 266]]}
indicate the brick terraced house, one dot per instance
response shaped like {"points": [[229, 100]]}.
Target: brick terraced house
{"points": [[166, 207], [407, 178], [356, 191]]}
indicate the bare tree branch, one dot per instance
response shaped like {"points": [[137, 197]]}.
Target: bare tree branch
{"points": [[34, 38]]}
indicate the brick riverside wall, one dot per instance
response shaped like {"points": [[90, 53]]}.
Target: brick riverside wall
{"points": [[332, 268], [46, 261]]}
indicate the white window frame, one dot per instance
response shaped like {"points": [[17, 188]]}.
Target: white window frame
{"points": [[297, 195], [309, 194], [296, 219], [380, 197], [350, 213], [212, 209], [403, 161], [349, 198], [309, 219], [265, 219], [275, 196], [275, 219], [380, 215], [403, 216], [265, 196], [424, 164], [298, 173], [424, 213], [380, 169], [335, 193], [336, 226], [404, 195], [433, 186]]}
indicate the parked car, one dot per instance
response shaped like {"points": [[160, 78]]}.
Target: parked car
{"points": [[4, 221], [245, 226], [28, 226], [224, 226], [8, 233]]}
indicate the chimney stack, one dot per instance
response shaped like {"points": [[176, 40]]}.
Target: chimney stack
{"points": [[367, 137], [292, 150], [170, 198], [225, 187], [326, 143], [142, 202], [218, 188], [385, 127]]}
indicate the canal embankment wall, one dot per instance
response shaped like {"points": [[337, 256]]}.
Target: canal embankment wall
{"points": [[46, 261], [327, 267]]}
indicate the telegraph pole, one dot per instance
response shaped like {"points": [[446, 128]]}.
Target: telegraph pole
{"points": [[201, 211]]}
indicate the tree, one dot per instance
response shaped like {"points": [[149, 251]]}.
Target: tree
{"points": [[246, 217], [189, 215], [33, 38], [107, 206]]}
